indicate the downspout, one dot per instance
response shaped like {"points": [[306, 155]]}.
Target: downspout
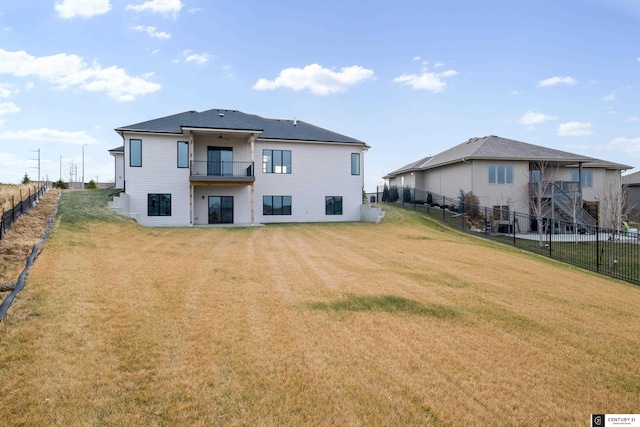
{"points": [[580, 182]]}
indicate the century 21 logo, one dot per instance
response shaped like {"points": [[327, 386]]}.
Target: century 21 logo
{"points": [[597, 420]]}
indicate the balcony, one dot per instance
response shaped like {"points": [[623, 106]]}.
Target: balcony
{"points": [[551, 188], [222, 172]]}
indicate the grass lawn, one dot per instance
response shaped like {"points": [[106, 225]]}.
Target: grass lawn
{"points": [[404, 322]]}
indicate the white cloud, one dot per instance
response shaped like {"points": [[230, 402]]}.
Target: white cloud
{"points": [[165, 7], [416, 58], [555, 81], [6, 90], [8, 108], [575, 129], [198, 58], [628, 146], [152, 32], [516, 92], [65, 71], [316, 79], [634, 119], [533, 118], [49, 135], [68, 9], [433, 82], [610, 97]]}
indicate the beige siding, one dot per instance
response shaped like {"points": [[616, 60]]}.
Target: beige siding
{"points": [[240, 147], [514, 195], [317, 170], [119, 170], [241, 202], [159, 174]]}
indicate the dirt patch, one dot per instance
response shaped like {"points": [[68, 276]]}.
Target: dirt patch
{"points": [[18, 242]]}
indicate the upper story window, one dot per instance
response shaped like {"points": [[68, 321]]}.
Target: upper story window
{"points": [[587, 178], [276, 161], [355, 163], [183, 154], [535, 176], [500, 174], [135, 153]]}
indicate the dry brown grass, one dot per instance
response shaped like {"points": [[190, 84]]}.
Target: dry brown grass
{"points": [[10, 194], [17, 244], [400, 323]]}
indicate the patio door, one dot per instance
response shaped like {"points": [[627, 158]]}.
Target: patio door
{"points": [[219, 161], [220, 209]]}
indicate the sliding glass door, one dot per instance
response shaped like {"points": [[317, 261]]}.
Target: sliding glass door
{"points": [[220, 209], [220, 161]]}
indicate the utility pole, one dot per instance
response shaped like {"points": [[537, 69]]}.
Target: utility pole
{"points": [[60, 168], [38, 159]]}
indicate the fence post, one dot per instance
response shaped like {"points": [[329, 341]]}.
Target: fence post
{"points": [[487, 223], [515, 218], [597, 249]]}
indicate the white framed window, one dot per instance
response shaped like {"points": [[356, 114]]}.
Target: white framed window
{"points": [[500, 174]]}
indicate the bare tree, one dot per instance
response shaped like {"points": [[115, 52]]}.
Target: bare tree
{"points": [[614, 208], [615, 204], [540, 181], [574, 203]]}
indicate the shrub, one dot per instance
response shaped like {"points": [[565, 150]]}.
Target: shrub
{"points": [[406, 195]]}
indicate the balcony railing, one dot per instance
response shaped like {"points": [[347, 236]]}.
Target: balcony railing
{"points": [[222, 171], [551, 188]]}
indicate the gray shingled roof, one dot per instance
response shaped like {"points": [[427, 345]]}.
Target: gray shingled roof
{"points": [[411, 167], [633, 179], [497, 148], [216, 119], [117, 149]]}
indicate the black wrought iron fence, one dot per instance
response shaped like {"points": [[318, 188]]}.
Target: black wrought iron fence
{"points": [[608, 251], [19, 207]]}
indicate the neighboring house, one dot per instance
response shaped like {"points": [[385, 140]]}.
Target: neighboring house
{"points": [[228, 167], [510, 176], [631, 188]]}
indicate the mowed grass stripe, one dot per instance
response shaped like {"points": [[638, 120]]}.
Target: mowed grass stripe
{"points": [[397, 323]]}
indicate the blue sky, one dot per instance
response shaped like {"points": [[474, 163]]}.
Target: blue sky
{"points": [[410, 78]]}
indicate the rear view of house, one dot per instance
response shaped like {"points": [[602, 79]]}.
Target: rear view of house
{"points": [[509, 175], [228, 167]]}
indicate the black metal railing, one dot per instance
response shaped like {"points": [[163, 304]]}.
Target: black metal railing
{"points": [[222, 169], [609, 251]]}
